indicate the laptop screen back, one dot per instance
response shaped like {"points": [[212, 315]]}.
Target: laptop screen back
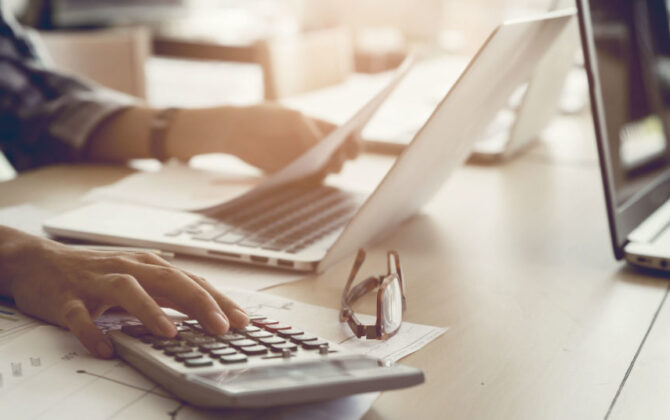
{"points": [[624, 43]]}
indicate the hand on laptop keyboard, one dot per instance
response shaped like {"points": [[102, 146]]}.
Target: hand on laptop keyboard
{"points": [[71, 287]]}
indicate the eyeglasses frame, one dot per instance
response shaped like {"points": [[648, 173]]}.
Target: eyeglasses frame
{"points": [[351, 295]]}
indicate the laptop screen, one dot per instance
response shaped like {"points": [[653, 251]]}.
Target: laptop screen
{"points": [[625, 45]]}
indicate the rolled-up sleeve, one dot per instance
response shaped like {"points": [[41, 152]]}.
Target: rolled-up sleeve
{"points": [[45, 117]]}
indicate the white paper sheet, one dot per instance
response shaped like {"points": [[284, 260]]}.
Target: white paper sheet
{"points": [[46, 373], [13, 323]]}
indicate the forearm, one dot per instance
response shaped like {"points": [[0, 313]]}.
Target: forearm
{"points": [[190, 132]]}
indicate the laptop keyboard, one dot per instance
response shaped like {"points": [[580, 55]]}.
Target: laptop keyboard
{"points": [[289, 220]]}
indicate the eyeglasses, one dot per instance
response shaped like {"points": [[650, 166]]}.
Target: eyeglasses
{"points": [[391, 301]]}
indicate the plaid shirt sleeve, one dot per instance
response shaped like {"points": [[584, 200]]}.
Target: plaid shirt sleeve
{"points": [[45, 117]]}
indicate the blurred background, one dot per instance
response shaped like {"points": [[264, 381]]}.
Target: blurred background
{"points": [[215, 52]]}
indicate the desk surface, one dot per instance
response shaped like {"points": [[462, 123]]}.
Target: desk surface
{"points": [[516, 260]]}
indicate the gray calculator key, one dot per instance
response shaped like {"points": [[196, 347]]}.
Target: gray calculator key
{"points": [[290, 332], [227, 338], [222, 352], [213, 346], [188, 355], [198, 362], [303, 337], [254, 350], [278, 348], [199, 340], [243, 343], [311, 345], [176, 349], [272, 340], [260, 334], [236, 358], [161, 344]]}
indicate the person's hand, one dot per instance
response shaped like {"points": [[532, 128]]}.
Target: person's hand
{"points": [[270, 137], [72, 287]]}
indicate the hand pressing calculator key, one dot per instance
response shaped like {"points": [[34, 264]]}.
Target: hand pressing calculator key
{"points": [[267, 363]]}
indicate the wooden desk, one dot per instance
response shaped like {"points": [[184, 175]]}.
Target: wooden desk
{"points": [[516, 260]]}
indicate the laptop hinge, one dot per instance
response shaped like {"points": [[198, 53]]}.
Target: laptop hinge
{"points": [[652, 226]]}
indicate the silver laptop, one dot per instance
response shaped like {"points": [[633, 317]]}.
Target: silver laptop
{"points": [[626, 45], [291, 222], [534, 103]]}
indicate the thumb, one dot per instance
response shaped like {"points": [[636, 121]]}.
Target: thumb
{"points": [[78, 320]]}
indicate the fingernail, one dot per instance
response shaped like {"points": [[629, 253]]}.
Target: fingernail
{"points": [[167, 327], [218, 323], [239, 317], [104, 350]]}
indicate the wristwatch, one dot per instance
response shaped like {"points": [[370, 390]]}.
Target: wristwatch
{"points": [[158, 132]]}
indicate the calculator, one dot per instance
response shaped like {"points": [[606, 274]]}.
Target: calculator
{"points": [[267, 363]]}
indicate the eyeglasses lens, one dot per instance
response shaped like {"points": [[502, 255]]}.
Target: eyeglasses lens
{"points": [[391, 305]]}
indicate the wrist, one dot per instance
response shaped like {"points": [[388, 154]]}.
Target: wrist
{"points": [[197, 131]]}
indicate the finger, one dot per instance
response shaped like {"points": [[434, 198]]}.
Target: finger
{"points": [[128, 293], [238, 317], [173, 284], [78, 320]]}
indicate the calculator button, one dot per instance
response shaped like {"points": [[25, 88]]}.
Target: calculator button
{"points": [[265, 321], [311, 345], [256, 317], [135, 330], [176, 349], [235, 358], [188, 355], [213, 346], [161, 344], [247, 329], [197, 341], [260, 334], [272, 340], [227, 338], [190, 322], [290, 332], [148, 339], [277, 327], [243, 343], [279, 348], [222, 352], [182, 328], [254, 350], [303, 337], [198, 362]]}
